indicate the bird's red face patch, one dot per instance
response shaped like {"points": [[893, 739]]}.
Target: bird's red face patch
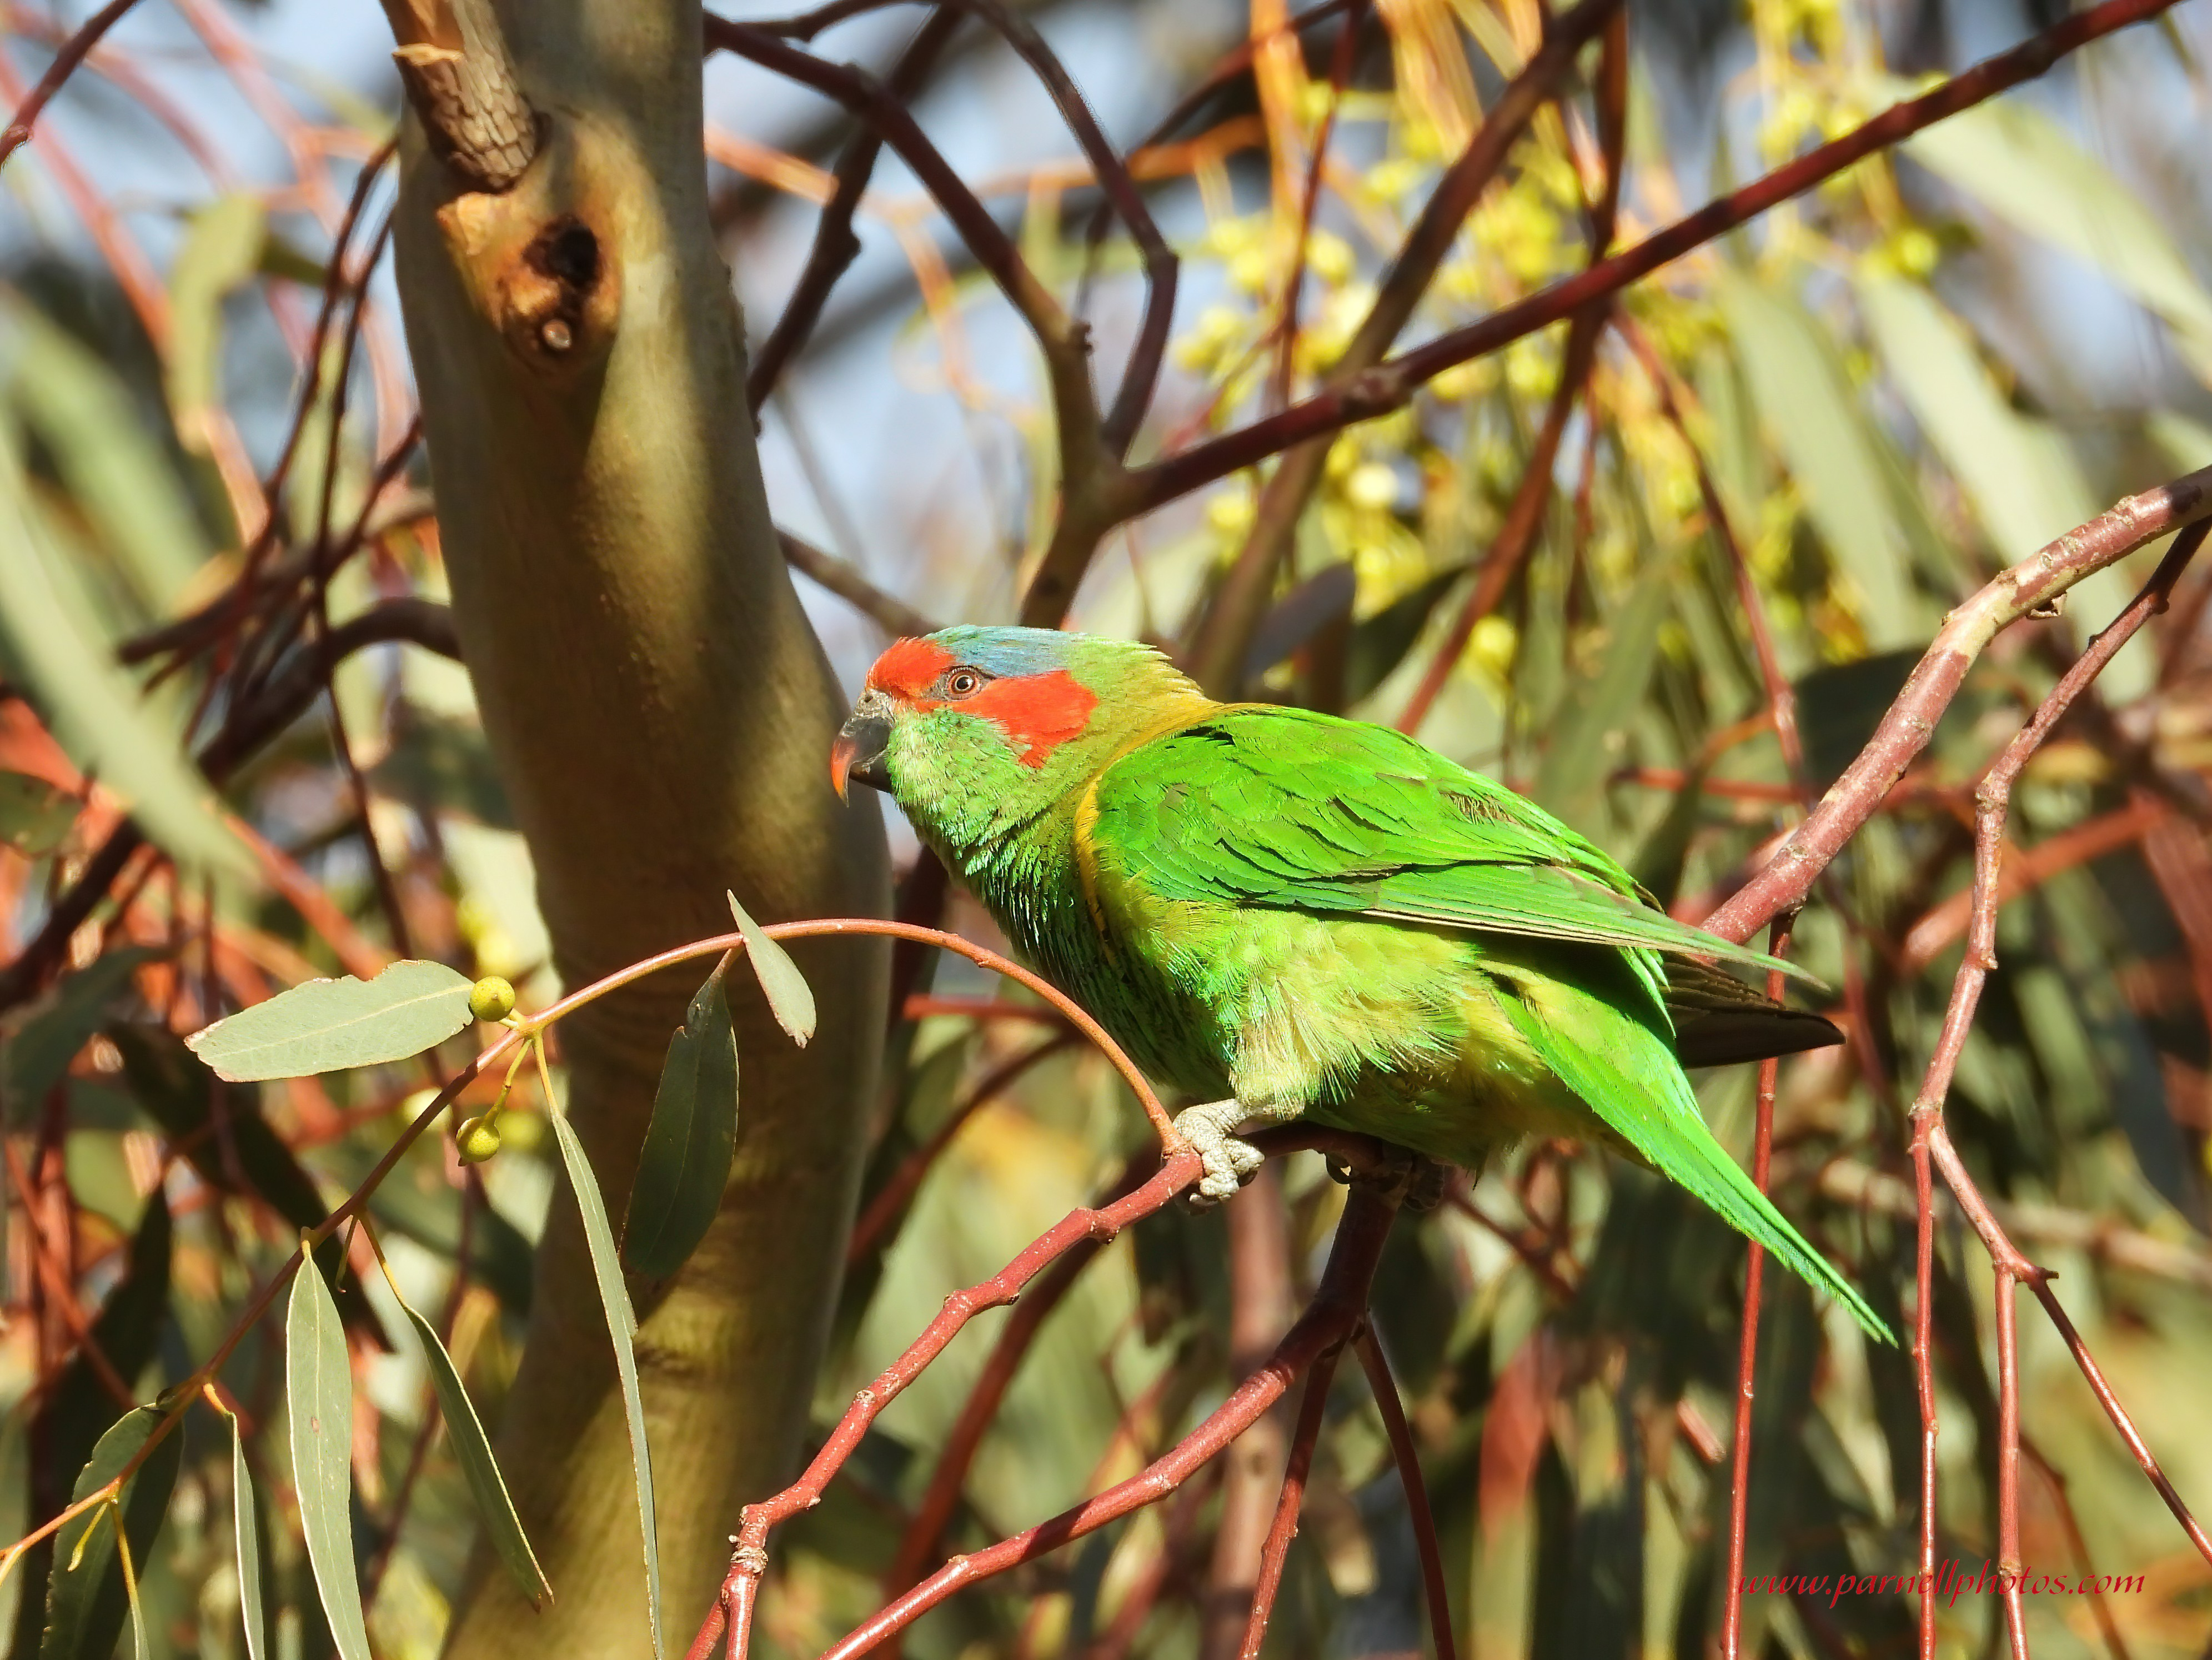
{"points": [[909, 669], [1037, 712]]}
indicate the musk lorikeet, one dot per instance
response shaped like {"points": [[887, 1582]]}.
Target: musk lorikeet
{"points": [[1285, 913]]}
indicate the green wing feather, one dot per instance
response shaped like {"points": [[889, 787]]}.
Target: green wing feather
{"points": [[1625, 1072], [1335, 815], [1283, 807]]}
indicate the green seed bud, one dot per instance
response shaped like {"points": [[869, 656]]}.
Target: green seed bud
{"points": [[491, 998], [477, 1140]]}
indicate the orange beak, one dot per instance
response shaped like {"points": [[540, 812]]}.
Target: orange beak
{"points": [[859, 749]]}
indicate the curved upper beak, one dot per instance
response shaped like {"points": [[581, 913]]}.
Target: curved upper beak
{"points": [[858, 751]]}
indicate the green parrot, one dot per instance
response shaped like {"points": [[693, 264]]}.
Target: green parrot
{"points": [[1285, 914]]}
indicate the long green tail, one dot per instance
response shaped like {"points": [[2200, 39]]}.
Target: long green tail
{"points": [[1628, 1075]]}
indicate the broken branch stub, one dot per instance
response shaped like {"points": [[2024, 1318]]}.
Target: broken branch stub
{"points": [[461, 86]]}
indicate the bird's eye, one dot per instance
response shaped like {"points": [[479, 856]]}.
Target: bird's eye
{"points": [[964, 682]]}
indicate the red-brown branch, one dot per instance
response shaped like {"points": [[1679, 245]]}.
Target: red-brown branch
{"points": [[1524, 517], [72, 53], [1408, 1459], [836, 247], [1336, 1307], [2026, 869], [1931, 1147], [917, 1548], [1216, 655], [1754, 1269], [1911, 720], [1328, 1319], [1276, 1551]]}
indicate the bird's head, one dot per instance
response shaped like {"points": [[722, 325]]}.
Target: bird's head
{"points": [[999, 713]]}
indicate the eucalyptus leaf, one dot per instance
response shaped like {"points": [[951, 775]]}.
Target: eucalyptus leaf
{"points": [[472, 1447], [51, 634], [2021, 165], [86, 1597], [1588, 736], [690, 1141], [2026, 488], [117, 473], [245, 1535], [789, 997], [1807, 406], [78, 1410], [318, 1405], [222, 247], [2019, 473], [332, 1025], [34, 816], [622, 1327]]}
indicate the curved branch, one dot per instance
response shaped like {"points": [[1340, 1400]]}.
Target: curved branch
{"points": [[836, 247], [1911, 721], [1408, 1457], [828, 571], [1328, 1320], [73, 52]]}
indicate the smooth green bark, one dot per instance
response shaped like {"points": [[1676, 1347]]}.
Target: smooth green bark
{"points": [[662, 713]]}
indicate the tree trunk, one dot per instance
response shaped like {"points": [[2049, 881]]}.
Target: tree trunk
{"points": [[662, 715]]}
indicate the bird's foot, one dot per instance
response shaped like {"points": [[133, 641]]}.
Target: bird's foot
{"points": [[1419, 1179], [1226, 1162]]}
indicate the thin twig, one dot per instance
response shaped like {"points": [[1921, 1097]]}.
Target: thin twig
{"points": [[1911, 720], [1524, 516], [1408, 1459], [1931, 1147], [1304, 1436], [1337, 1306], [896, 617], [836, 247], [1746, 1363], [917, 1547], [72, 53]]}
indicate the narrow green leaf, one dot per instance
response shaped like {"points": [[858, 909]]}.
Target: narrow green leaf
{"points": [[118, 476], [2025, 486], [245, 1534], [689, 1143], [2019, 473], [14, 1512], [2026, 168], [621, 1327], [1589, 732], [36, 1049], [319, 1402], [222, 249], [789, 997], [130, 1565], [52, 635], [34, 816], [473, 1448], [1807, 405], [331, 1025], [86, 1597]]}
